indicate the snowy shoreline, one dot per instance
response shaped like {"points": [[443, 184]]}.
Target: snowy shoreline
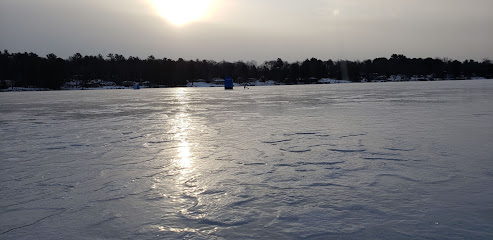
{"points": [[238, 85]]}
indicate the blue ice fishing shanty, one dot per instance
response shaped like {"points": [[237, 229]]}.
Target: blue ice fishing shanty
{"points": [[228, 83]]}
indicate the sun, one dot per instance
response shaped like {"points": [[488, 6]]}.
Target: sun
{"points": [[181, 12]]}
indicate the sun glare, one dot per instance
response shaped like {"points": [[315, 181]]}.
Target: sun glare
{"points": [[181, 12]]}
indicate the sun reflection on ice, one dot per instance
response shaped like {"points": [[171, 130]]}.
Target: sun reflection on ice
{"points": [[181, 128], [179, 186], [184, 154]]}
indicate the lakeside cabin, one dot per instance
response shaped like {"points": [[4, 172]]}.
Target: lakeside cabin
{"points": [[218, 81]]}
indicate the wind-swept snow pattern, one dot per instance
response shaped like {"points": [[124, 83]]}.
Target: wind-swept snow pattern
{"points": [[348, 161]]}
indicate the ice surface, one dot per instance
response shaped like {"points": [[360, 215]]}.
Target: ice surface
{"points": [[350, 161]]}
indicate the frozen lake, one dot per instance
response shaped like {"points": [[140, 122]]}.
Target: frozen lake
{"points": [[409, 160]]}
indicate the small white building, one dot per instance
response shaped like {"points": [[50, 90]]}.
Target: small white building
{"points": [[218, 81]]}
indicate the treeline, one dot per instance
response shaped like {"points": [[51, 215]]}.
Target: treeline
{"points": [[31, 70]]}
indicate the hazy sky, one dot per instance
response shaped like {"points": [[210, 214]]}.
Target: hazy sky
{"points": [[250, 29]]}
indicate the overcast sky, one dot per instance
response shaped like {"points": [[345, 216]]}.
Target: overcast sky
{"points": [[252, 29]]}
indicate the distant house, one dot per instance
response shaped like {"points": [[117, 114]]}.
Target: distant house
{"points": [[107, 83], [128, 83], [196, 82], [72, 84], [92, 84], [396, 78], [326, 81], [331, 81], [218, 81]]}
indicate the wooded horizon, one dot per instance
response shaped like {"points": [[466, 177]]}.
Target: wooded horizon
{"points": [[29, 69]]}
